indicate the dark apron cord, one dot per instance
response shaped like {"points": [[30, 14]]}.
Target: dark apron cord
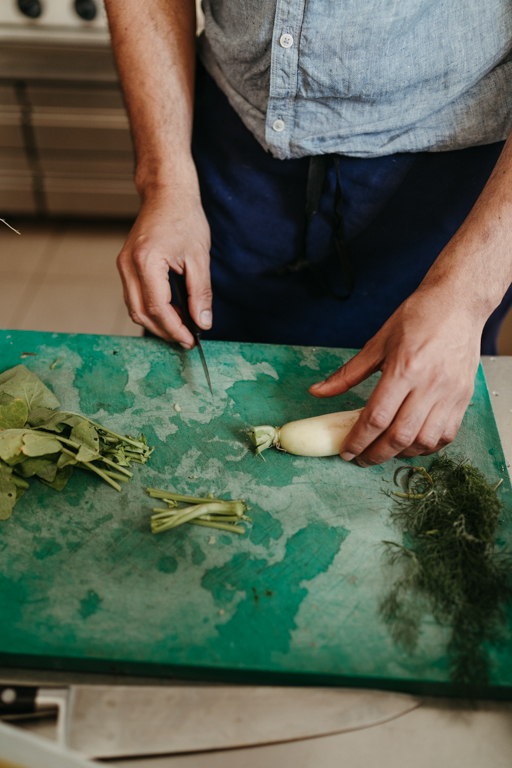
{"points": [[316, 179]]}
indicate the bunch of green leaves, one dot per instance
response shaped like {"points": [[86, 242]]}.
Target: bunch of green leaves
{"points": [[207, 511], [38, 441], [450, 564]]}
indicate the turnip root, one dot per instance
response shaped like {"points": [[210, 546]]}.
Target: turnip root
{"points": [[316, 436]]}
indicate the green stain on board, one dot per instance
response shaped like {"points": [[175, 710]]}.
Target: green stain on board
{"points": [[167, 564], [14, 598], [308, 553], [161, 456], [102, 385], [198, 556], [265, 528], [159, 377], [90, 604], [47, 547]]}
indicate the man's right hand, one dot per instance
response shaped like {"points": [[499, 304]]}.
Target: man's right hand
{"points": [[171, 233]]}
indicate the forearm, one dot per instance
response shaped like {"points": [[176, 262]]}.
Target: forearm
{"points": [[154, 46], [475, 268]]}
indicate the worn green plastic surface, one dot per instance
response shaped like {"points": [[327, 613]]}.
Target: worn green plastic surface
{"points": [[85, 585]]}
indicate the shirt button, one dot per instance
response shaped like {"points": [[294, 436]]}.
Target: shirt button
{"points": [[286, 41], [278, 125]]}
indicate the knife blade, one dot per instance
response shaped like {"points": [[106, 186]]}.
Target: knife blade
{"points": [[120, 721], [181, 290]]}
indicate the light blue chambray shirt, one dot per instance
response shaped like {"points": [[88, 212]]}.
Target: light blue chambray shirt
{"points": [[363, 77]]}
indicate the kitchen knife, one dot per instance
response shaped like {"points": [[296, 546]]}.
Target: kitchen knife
{"points": [[181, 289], [121, 721]]}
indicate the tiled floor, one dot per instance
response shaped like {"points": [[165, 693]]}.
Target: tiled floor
{"points": [[62, 276]]}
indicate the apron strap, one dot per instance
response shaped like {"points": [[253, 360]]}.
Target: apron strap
{"points": [[317, 173]]}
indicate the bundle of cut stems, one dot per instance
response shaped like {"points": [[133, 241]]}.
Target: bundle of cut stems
{"points": [[208, 511]]}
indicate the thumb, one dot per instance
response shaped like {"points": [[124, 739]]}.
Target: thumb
{"points": [[354, 372]]}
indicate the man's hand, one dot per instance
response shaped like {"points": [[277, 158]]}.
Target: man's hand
{"points": [[428, 352], [171, 233]]}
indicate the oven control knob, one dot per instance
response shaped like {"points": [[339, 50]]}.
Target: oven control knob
{"points": [[31, 8], [86, 9]]}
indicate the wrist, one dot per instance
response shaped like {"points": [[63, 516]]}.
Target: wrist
{"points": [[456, 298], [469, 277], [167, 178]]}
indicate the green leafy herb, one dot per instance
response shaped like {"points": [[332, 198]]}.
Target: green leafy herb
{"points": [[38, 441], [19, 382], [8, 494], [14, 414], [450, 565]]}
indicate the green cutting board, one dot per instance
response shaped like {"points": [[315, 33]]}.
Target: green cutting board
{"points": [[84, 584]]}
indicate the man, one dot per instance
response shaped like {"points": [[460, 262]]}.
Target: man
{"points": [[409, 103]]}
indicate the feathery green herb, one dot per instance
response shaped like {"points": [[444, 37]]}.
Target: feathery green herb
{"points": [[450, 564]]}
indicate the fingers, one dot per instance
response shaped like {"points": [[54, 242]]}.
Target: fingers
{"points": [[414, 431], [449, 432], [153, 272], [356, 370], [171, 233], [388, 396], [148, 294], [133, 295], [199, 289], [145, 275]]}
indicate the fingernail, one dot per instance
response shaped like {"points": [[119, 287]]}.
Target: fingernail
{"points": [[316, 386], [185, 346], [346, 456], [206, 318], [362, 464]]}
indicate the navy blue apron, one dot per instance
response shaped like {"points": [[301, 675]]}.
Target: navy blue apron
{"points": [[399, 212]]}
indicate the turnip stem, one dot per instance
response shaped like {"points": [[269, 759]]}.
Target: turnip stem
{"points": [[57, 437], [207, 511], [197, 510], [114, 475], [219, 526], [100, 472], [170, 496], [117, 467], [121, 478], [264, 437]]}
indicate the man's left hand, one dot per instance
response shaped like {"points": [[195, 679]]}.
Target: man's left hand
{"points": [[428, 352]]}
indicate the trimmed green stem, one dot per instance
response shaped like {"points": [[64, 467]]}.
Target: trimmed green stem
{"points": [[169, 495]]}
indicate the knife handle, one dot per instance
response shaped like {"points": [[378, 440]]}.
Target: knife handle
{"points": [[17, 700]]}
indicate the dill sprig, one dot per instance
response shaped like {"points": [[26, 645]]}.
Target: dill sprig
{"points": [[450, 564]]}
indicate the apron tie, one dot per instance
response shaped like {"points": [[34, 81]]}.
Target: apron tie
{"points": [[316, 178]]}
